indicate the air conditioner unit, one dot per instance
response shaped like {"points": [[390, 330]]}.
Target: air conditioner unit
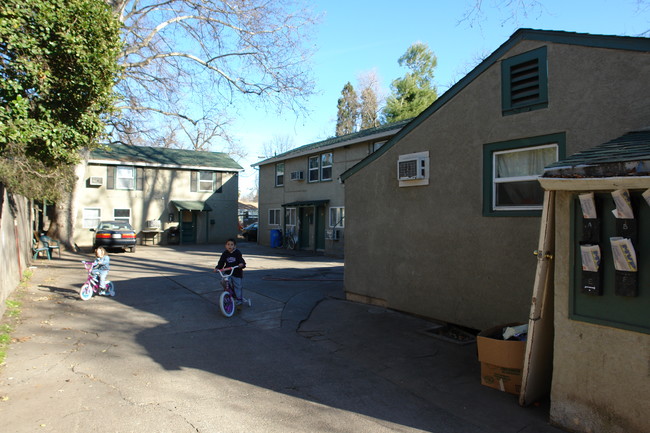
{"points": [[336, 235], [297, 175], [412, 168], [96, 181]]}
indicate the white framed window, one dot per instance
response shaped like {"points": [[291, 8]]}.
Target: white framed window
{"points": [[337, 217], [122, 215], [514, 177], [274, 217], [290, 216], [125, 178], [91, 217], [314, 168], [206, 181], [279, 174], [326, 166]]}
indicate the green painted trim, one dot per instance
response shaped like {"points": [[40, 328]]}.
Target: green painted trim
{"points": [[582, 39], [490, 148]]}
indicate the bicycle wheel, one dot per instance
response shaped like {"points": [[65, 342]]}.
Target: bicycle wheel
{"points": [[291, 243], [86, 292], [227, 304]]}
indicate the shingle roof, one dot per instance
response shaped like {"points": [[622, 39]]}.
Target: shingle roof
{"points": [[628, 155], [164, 157], [341, 140]]}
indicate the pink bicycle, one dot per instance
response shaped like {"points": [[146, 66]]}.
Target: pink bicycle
{"points": [[228, 300], [92, 285]]}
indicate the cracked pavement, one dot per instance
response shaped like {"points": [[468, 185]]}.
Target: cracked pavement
{"points": [[158, 357]]}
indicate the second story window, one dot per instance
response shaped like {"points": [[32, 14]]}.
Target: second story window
{"points": [[206, 181], [326, 166], [125, 178], [279, 174], [314, 168]]}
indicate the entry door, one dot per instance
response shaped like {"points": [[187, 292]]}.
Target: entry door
{"points": [[320, 228], [306, 224], [188, 227]]}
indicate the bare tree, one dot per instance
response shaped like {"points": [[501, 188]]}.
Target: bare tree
{"points": [[370, 99], [188, 64], [277, 144]]}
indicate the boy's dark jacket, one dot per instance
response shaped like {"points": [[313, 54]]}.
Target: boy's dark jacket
{"points": [[232, 259]]}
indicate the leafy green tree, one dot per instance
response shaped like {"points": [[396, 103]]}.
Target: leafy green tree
{"points": [[58, 67], [348, 111], [413, 93]]}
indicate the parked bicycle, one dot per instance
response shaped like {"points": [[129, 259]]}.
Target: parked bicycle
{"points": [[290, 239], [228, 301], [92, 285]]}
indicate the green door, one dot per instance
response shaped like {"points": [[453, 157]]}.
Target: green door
{"points": [[188, 227], [320, 228]]}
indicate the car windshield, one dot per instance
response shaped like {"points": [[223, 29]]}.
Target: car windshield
{"points": [[115, 225]]}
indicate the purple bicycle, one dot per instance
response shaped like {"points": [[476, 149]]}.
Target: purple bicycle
{"points": [[228, 300], [92, 285]]}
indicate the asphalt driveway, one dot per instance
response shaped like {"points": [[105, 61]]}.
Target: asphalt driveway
{"points": [[158, 357]]}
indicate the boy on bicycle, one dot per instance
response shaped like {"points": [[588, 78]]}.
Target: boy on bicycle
{"points": [[229, 258]]}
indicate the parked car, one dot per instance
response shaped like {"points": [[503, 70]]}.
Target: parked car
{"points": [[115, 234], [250, 232]]}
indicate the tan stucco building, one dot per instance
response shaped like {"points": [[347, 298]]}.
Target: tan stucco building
{"points": [[192, 194], [300, 190], [453, 240]]}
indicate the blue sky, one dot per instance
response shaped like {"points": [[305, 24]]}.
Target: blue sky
{"points": [[357, 36]]}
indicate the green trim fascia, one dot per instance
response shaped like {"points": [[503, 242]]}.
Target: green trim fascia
{"points": [[582, 39], [490, 148]]}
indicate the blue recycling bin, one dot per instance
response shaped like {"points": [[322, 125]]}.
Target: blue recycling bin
{"points": [[276, 238]]}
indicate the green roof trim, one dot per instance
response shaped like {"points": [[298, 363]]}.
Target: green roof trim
{"points": [[191, 205], [582, 39], [341, 140], [166, 157]]}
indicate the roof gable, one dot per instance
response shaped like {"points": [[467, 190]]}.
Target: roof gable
{"points": [[158, 156], [559, 37]]}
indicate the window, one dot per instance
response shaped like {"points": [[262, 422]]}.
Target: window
{"points": [[125, 178], [337, 217], [122, 215], [279, 174], [290, 216], [511, 170], [326, 166], [524, 82], [91, 217], [206, 181], [314, 169], [274, 217]]}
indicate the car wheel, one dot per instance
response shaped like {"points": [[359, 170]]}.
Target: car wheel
{"points": [[132, 248]]}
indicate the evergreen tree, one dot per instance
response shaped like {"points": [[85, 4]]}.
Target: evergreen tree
{"points": [[413, 93], [348, 111]]}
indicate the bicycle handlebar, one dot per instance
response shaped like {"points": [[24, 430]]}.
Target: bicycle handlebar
{"points": [[223, 271]]}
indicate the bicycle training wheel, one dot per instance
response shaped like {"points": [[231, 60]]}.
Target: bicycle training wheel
{"points": [[227, 304], [110, 288], [86, 292]]}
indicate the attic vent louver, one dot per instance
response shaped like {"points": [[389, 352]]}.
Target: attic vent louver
{"points": [[524, 82]]}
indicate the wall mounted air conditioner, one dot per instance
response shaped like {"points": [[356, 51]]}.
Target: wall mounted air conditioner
{"points": [[96, 181], [297, 175], [413, 169], [336, 235]]}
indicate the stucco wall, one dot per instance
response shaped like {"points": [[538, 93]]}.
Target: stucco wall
{"points": [[161, 186], [600, 374], [429, 250], [272, 197]]}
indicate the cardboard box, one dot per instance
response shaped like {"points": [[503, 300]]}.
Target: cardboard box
{"points": [[502, 361]]}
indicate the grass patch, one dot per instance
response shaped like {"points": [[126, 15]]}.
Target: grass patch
{"points": [[11, 315]]}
